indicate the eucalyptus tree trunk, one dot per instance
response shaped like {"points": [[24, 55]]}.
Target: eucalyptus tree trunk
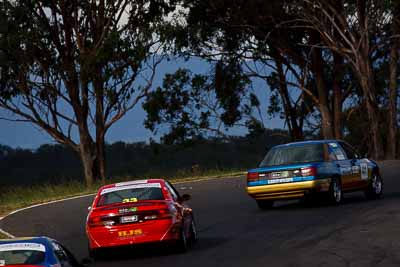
{"points": [[88, 158], [367, 83], [337, 77], [363, 68], [93, 160], [391, 141], [323, 105], [295, 130], [100, 126], [337, 95]]}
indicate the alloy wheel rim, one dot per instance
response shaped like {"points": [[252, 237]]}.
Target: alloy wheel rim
{"points": [[194, 231], [184, 243], [377, 185], [337, 192]]}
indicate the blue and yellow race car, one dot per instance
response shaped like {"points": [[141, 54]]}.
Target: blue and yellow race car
{"points": [[302, 169], [36, 251]]}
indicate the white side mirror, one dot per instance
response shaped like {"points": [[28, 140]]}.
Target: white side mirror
{"points": [[89, 208]]}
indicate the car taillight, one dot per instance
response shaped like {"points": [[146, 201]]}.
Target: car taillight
{"points": [[159, 216], [150, 217], [308, 171], [164, 213], [98, 221], [252, 176]]}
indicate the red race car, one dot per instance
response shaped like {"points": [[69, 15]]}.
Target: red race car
{"points": [[139, 212]]}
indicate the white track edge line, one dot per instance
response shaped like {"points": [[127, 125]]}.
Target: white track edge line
{"points": [[38, 205], [6, 233], [92, 194], [46, 203]]}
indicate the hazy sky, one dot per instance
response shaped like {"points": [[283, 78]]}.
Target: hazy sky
{"points": [[128, 129]]}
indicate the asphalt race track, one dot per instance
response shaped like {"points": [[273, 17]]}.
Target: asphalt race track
{"points": [[233, 232]]}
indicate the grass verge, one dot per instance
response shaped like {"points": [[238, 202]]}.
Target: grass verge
{"points": [[19, 197], [3, 236]]}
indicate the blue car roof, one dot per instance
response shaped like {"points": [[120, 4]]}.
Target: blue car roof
{"points": [[307, 143], [41, 240]]}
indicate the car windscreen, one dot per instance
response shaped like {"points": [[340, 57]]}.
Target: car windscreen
{"points": [[131, 193], [22, 254], [286, 155]]}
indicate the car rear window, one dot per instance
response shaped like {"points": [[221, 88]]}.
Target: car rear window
{"points": [[131, 193], [293, 154], [22, 254]]}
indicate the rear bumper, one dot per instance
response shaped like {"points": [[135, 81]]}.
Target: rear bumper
{"points": [[288, 190], [134, 234]]}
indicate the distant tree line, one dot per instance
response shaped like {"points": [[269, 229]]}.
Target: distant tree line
{"points": [[58, 163]]}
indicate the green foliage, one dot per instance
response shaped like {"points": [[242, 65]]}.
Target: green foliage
{"points": [[275, 104], [174, 102], [230, 85], [79, 66], [192, 105]]}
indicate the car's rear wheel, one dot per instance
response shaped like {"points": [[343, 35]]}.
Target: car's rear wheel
{"points": [[182, 244], [265, 204], [93, 254], [193, 232], [375, 188], [335, 191]]}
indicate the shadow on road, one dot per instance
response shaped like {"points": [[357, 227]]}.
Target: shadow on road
{"points": [[354, 199], [156, 250], [135, 252]]}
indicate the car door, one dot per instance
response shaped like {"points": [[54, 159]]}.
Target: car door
{"points": [[185, 210], [65, 258], [71, 258], [360, 169], [343, 164]]}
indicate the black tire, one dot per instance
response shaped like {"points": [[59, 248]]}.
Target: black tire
{"points": [[335, 194], [375, 188], [182, 244], [193, 232], [265, 204], [93, 254]]}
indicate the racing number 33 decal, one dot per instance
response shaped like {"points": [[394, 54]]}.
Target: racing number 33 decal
{"points": [[364, 170], [129, 200]]}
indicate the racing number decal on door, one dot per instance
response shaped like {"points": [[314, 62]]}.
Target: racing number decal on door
{"points": [[364, 171]]}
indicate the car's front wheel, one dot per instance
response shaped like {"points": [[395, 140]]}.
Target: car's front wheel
{"points": [[335, 191], [375, 188], [265, 204]]}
